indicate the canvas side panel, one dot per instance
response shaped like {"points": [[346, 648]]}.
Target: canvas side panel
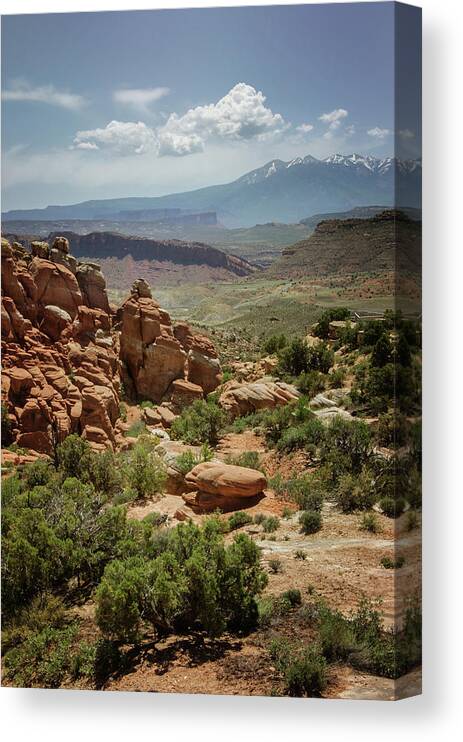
{"points": [[407, 608]]}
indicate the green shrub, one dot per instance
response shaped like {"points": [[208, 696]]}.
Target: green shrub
{"points": [[382, 351], [188, 460], [248, 459], [123, 411], [105, 474], [392, 429], [136, 429], [297, 357], [147, 404], [44, 611], [336, 635], [259, 519], [300, 554], [195, 581], [412, 520], [307, 492], [355, 492], [337, 378], [73, 456], [144, 470], [201, 422], [43, 660], [292, 596], [310, 521], [239, 519], [274, 343], [389, 563], [270, 524], [369, 522], [346, 446], [39, 473], [275, 565], [12, 486], [311, 383], [307, 435], [392, 508], [322, 328], [303, 668]]}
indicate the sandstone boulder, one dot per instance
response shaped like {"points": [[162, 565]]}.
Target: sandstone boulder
{"points": [[56, 285], [183, 393], [226, 480], [55, 320], [40, 249], [242, 399], [141, 288], [93, 286]]}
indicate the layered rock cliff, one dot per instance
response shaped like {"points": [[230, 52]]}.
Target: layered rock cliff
{"points": [[111, 245]]}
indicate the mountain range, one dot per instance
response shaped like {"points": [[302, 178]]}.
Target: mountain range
{"points": [[279, 191]]}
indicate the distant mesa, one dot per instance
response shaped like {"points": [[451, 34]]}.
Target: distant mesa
{"points": [[149, 257], [358, 212], [389, 242]]}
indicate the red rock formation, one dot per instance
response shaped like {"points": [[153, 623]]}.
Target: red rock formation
{"points": [[62, 356], [244, 398], [213, 484], [156, 353], [60, 363]]}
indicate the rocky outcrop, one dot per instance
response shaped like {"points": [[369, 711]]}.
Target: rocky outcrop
{"points": [[64, 351], [242, 399], [214, 484], [93, 286], [156, 353], [59, 360]]}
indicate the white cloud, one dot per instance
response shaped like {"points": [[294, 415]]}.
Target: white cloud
{"points": [[406, 134], [334, 118], [304, 128], [178, 144], [350, 130], [240, 115], [123, 137], [378, 133], [22, 91], [139, 98], [85, 145]]}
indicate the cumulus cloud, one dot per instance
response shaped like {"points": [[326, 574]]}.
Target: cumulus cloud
{"points": [[178, 144], [240, 115], [378, 133], [406, 134], [334, 118], [123, 137], [304, 128], [139, 98], [22, 91]]}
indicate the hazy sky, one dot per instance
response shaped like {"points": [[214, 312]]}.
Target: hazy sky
{"points": [[144, 103]]}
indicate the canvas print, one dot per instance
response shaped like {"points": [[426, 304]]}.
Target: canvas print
{"points": [[211, 351]]}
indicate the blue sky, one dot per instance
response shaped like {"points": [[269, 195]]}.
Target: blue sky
{"points": [[101, 105]]}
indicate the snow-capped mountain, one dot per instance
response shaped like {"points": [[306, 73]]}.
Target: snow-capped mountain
{"points": [[278, 191]]}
